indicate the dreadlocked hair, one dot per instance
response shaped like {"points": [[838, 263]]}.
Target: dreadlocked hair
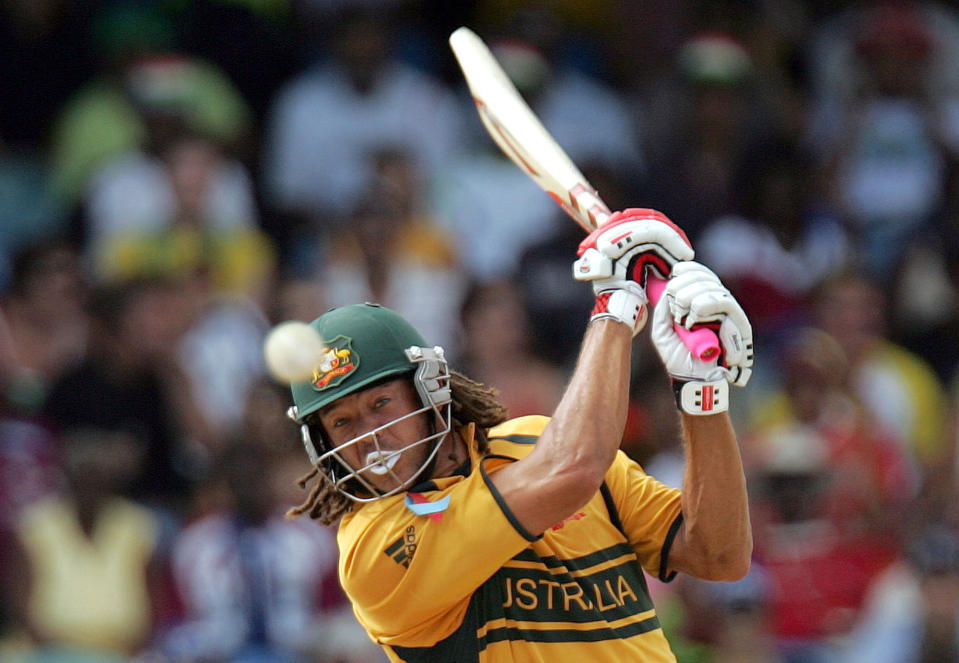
{"points": [[473, 403], [476, 403], [324, 503]]}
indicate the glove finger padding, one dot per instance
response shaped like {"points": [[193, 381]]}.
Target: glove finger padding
{"points": [[695, 295], [639, 235], [635, 239]]}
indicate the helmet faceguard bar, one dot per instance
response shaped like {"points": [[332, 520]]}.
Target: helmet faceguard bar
{"points": [[381, 459]]}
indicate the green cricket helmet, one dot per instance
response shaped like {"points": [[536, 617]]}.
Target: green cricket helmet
{"points": [[365, 345]]}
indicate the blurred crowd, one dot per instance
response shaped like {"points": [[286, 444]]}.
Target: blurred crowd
{"points": [[176, 176]]}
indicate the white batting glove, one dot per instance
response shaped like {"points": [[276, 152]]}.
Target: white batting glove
{"points": [[615, 258], [626, 304], [695, 295]]}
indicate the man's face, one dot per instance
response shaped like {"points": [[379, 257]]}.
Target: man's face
{"points": [[354, 416], [852, 312]]}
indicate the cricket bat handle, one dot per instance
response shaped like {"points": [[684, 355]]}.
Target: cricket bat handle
{"points": [[702, 342]]}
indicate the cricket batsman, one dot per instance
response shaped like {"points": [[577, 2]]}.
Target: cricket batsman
{"points": [[466, 536]]}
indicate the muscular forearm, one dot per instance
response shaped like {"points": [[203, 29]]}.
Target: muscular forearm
{"points": [[588, 424], [715, 541], [580, 442]]}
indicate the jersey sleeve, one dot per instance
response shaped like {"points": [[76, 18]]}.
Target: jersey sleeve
{"points": [[650, 512], [410, 577]]}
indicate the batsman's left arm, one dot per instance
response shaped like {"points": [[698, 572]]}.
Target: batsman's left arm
{"points": [[714, 541]]}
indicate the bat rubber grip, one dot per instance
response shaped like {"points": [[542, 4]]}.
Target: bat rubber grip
{"points": [[702, 342]]}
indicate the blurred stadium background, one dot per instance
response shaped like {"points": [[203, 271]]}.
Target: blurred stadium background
{"points": [[176, 176]]}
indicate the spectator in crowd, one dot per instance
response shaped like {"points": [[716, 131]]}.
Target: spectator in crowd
{"points": [[187, 208], [393, 252], [185, 211], [188, 214], [829, 490], [888, 142], [495, 326], [327, 122], [142, 83], [705, 121], [252, 583], [898, 387], [46, 319], [873, 476], [129, 381], [913, 612], [924, 295], [82, 580]]}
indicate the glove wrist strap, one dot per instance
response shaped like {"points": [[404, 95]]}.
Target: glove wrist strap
{"points": [[622, 305], [701, 397]]}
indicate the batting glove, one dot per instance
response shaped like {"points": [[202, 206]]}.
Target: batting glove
{"points": [[694, 295], [615, 258]]}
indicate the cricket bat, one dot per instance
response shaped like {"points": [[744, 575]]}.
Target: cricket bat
{"points": [[522, 137]]}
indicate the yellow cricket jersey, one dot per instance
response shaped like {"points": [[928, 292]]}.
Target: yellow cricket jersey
{"points": [[467, 583]]}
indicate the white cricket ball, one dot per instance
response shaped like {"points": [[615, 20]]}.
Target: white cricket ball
{"points": [[292, 350]]}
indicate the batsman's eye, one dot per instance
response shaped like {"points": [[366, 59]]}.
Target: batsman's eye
{"points": [[381, 402]]}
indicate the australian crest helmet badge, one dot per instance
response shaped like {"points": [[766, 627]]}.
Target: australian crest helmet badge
{"points": [[337, 363]]}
